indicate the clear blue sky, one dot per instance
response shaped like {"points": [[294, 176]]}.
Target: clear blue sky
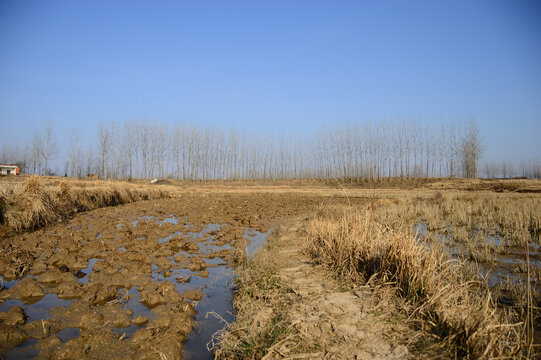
{"points": [[273, 66]]}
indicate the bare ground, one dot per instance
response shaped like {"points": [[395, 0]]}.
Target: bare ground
{"points": [[342, 321]]}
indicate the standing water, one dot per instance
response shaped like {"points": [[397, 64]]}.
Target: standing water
{"points": [[215, 309]]}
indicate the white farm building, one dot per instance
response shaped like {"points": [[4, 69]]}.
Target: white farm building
{"points": [[9, 170]]}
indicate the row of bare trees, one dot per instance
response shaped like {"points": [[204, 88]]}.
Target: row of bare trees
{"points": [[153, 149], [507, 169], [143, 149], [33, 157], [402, 148]]}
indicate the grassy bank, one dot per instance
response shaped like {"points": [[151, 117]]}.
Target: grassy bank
{"points": [[37, 201], [261, 300], [446, 294]]}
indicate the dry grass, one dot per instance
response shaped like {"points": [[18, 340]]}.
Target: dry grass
{"points": [[449, 298], [352, 184], [471, 219], [41, 201], [261, 301]]}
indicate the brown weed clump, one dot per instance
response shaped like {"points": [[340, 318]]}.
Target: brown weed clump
{"points": [[40, 202], [29, 206], [452, 301]]}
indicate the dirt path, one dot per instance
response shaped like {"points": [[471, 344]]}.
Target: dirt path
{"points": [[329, 319]]}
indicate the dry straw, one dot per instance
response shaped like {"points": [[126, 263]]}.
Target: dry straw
{"points": [[39, 202], [452, 301]]}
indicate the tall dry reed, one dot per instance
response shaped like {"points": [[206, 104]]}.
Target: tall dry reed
{"points": [[39, 202], [450, 299]]}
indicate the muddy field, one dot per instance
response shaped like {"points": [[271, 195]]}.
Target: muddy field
{"points": [[131, 281]]}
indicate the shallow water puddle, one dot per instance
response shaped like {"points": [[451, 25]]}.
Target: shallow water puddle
{"points": [[6, 284], [27, 350], [38, 310], [35, 312], [215, 309], [88, 270], [68, 333], [133, 303], [504, 260], [257, 239]]}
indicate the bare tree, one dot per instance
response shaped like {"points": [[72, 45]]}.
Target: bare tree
{"points": [[104, 145], [90, 169], [74, 153], [48, 146], [471, 150], [130, 140]]}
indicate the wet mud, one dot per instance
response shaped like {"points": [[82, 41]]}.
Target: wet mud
{"points": [[146, 280]]}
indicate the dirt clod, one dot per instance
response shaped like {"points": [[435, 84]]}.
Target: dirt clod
{"points": [[27, 290], [139, 320], [11, 337], [15, 316]]}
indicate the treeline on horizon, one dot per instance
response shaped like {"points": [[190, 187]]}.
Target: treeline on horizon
{"points": [[145, 149]]}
